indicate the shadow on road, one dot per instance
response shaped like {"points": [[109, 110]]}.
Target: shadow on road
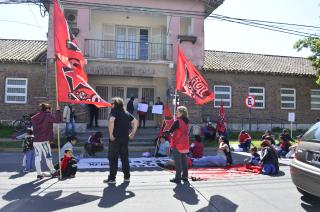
{"points": [[23, 200], [219, 203], [186, 193], [113, 195], [310, 203]]}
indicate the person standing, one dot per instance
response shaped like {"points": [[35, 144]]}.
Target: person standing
{"points": [[120, 123], [180, 144], [42, 123], [69, 119], [142, 115], [94, 113], [158, 116], [130, 107]]}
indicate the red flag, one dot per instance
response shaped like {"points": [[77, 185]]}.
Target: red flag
{"points": [[65, 45], [190, 82], [167, 121], [72, 86], [73, 89]]}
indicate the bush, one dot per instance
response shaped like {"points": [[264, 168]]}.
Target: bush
{"points": [[5, 131]]}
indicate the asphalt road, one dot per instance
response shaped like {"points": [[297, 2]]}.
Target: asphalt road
{"points": [[149, 190]]}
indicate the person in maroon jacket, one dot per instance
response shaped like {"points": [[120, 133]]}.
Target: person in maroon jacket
{"points": [[180, 144], [43, 133], [196, 148]]}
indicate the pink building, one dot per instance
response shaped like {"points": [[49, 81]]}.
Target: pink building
{"points": [[131, 46]]}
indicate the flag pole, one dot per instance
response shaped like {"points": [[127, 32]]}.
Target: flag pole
{"points": [[175, 104], [58, 133]]}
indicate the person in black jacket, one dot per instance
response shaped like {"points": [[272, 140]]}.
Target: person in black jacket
{"points": [[130, 107], [269, 158]]}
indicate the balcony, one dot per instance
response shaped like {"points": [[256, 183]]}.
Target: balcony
{"points": [[127, 50]]}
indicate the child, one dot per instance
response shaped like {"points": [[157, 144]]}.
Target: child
{"points": [[68, 165], [28, 151], [94, 144], [71, 141], [196, 148], [255, 157], [164, 147]]}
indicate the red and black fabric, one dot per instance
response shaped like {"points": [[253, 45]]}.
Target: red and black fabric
{"points": [[190, 82], [72, 81]]}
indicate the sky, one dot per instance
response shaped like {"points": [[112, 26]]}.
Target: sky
{"points": [[219, 35]]}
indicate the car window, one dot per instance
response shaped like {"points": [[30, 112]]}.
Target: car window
{"points": [[313, 134]]}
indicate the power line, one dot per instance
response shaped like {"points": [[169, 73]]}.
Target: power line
{"points": [[24, 23]]}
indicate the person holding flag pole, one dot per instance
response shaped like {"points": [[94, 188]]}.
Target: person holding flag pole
{"points": [[71, 80]]}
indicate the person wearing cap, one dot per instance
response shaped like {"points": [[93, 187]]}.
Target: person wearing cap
{"points": [[42, 123]]}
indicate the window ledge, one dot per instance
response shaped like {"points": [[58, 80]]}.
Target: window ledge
{"points": [[190, 38]]}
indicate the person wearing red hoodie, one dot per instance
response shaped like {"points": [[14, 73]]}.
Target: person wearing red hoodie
{"points": [[42, 123], [196, 148], [180, 144]]}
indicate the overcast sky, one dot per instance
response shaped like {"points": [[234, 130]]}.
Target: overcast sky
{"points": [[219, 35]]}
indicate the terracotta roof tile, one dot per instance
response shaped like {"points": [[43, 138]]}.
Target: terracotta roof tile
{"points": [[247, 62], [26, 51]]}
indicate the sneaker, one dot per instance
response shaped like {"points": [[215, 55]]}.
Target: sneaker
{"points": [[174, 180], [40, 177], [109, 181], [126, 180], [56, 174], [25, 171]]}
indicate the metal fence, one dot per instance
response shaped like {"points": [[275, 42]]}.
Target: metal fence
{"points": [[127, 50]]}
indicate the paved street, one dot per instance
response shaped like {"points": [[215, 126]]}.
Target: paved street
{"points": [[149, 190]]}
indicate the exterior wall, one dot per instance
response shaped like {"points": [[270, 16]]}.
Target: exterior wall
{"points": [[238, 113], [36, 90]]}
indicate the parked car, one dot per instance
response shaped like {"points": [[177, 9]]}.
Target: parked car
{"points": [[305, 167]]}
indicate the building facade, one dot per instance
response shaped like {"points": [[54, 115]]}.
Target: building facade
{"points": [[279, 84], [23, 77], [131, 46]]}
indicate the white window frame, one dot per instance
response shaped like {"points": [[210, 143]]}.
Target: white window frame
{"points": [[258, 94], [226, 100], [317, 96], [15, 94], [290, 95]]}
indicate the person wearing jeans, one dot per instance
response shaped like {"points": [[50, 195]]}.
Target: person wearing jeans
{"points": [[180, 144]]}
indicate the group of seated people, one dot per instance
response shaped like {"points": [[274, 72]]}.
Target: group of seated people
{"points": [[196, 157]]}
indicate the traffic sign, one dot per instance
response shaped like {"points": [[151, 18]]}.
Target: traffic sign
{"points": [[250, 101]]}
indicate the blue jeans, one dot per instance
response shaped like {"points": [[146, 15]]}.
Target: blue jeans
{"points": [[209, 161], [29, 159], [72, 128], [268, 169], [245, 145]]}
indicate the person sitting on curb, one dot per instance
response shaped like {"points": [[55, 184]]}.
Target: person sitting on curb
{"points": [[254, 158], [94, 144], [68, 165], [244, 140], [223, 157], [269, 159], [196, 148]]}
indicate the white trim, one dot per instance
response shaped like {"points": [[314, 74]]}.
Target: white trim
{"points": [[223, 92], [16, 94], [258, 94], [288, 95], [316, 96]]}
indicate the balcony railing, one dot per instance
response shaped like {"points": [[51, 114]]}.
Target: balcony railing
{"points": [[127, 50]]}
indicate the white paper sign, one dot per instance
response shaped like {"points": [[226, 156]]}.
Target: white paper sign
{"points": [[142, 107], [157, 109], [291, 117]]}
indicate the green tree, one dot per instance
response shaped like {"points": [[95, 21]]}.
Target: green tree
{"points": [[313, 44]]}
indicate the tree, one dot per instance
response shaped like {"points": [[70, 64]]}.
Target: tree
{"points": [[313, 44]]}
